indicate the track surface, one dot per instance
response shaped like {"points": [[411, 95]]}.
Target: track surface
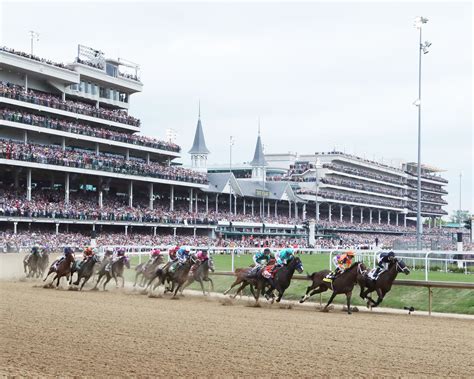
{"points": [[122, 333]]}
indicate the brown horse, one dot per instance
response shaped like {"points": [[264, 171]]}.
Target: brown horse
{"points": [[344, 283], [243, 278], [61, 267], [200, 273], [383, 284], [176, 278], [147, 270]]}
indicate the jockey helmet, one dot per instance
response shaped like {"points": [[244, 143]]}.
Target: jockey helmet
{"points": [[121, 251], [267, 251], [88, 250], [67, 250], [156, 252], [350, 253], [187, 249], [35, 249]]}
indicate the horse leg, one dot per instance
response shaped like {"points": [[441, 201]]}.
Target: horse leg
{"points": [[348, 299], [59, 278], [123, 280], [202, 287], [380, 295], [325, 309], [212, 285], [136, 278], [86, 279], [237, 281], [108, 279], [240, 289], [312, 291]]}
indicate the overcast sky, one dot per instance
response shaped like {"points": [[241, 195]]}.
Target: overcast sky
{"points": [[319, 75]]}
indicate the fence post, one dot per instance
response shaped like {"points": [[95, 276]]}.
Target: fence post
{"points": [[426, 265], [232, 252], [430, 300]]}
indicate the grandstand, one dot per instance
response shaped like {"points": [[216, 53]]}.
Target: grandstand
{"points": [[73, 160]]}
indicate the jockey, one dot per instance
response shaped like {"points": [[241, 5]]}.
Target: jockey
{"points": [[154, 256], [35, 250], [383, 260], [120, 254], [202, 256], [67, 251], [88, 253], [284, 256], [261, 259], [182, 256], [342, 262], [172, 254]]}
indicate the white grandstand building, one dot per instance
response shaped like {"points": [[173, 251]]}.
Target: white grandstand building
{"points": [[72, 159]]}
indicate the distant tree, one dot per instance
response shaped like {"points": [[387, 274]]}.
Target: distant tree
{"points": [[460, 216]]}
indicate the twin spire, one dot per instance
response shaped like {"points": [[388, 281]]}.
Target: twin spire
{"points": [[199, 145]]}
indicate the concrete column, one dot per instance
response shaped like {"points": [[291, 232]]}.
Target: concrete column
{"points": [[317, 211], [361, 215], [26, 83], [217, 203], [154, 231], [66, 189], [268, 208], [93, 227], [380, 217], [396, 218], [340, 213], [15, 224], [57, 228], [330, 212], [296, 209], [63, 96], [289, 209], [196, 202], [245, 205], [101, 199], [147, 158], [252, 208], [304, 212], [97, 149], [171, 198], [130, 194], [28, 184], [190, 200], [63, 143], [388, 218], [207, 203], [194, 232], [127, 154], [276, 208], [126, 229], [235, 204], [429, 223], [352, 215], [16, 178], [150, 195], [25, 137], [405, 220], [174, 232], [370, 216]]}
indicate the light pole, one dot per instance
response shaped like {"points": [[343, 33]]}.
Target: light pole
{"points": [[316, 164], [460, 193], [33, 35], [423, 48], [231, 143]]}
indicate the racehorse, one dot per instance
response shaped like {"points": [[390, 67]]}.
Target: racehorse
{"points": [[343, 283], [113, 270], [200, 274], [176, 278], [63, 268], [35, 264], [383, 284], [84, 270], [281, 280], [148, 271]]}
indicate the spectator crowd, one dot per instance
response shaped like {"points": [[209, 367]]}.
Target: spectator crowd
{"points": [[50, 154], [16, 92], [83, 129]]}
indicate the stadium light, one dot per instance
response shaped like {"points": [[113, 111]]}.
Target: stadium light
{"points": [[231, 143], [33, 36], [423, 48]]}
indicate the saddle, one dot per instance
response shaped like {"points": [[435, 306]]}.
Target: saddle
{"points": [[270, 271]]}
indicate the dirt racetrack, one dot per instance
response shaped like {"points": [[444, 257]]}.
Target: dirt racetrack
{"points": [[122, 333]]}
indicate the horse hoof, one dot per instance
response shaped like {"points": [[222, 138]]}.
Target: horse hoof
{"points": [[325, 310], [349, 313], [94, 289]]}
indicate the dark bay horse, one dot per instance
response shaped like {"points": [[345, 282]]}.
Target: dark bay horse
{"points": [[258, 283], [147, 270], [344, 283], [84, 270], [176, 278], [115, 270], [383, 284], [200, 274], [35, 264], [63, 268]]}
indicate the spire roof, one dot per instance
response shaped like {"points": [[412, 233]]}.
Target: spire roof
{"points": [[199, 144], [258, 157]]}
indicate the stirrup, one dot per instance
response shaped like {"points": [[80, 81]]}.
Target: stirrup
{"points": [[328, 280]]}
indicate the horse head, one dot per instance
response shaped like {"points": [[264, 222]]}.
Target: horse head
{"points": [[401, 266], [297, 264], [126, 261]]}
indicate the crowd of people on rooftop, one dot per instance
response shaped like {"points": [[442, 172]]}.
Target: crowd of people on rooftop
{"points": [[364, 173], [33, 57], [393, 191], [83, 129], [16, 92], [55, 155]]}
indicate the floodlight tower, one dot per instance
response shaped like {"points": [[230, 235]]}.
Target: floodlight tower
{"points": [[423, 48]]}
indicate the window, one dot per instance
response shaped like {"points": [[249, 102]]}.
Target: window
{"points": [[111, 70]]}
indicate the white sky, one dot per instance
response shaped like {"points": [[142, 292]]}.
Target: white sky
{"points": [[319, 75]]}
